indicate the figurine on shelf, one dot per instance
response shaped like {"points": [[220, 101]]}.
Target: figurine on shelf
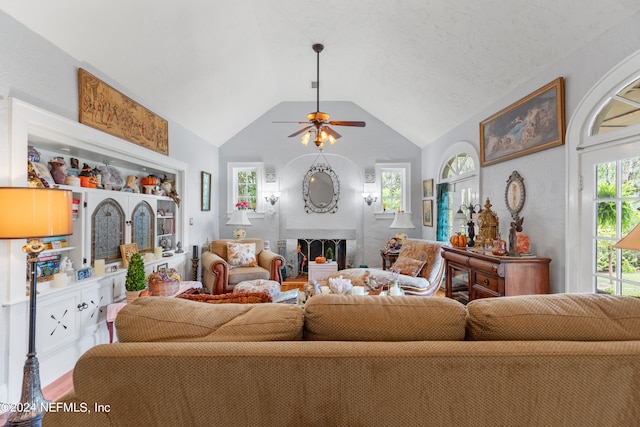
{"points": [[34, 179], [169, 190], [132, 185], [516, 226], [58, 169]]}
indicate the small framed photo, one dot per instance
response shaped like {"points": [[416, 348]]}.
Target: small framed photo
{"points": [[162, 268], [427, 188], [206, 191], [83, 273], [427, 213], [126, 251]]}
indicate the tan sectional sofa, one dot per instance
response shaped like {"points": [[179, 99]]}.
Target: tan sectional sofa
{"points": [[544, 360]]}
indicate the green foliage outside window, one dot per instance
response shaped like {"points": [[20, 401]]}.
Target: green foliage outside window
{"points": [[391, 190], [247, 187]]}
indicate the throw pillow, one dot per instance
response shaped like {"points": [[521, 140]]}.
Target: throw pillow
{"points": [[408, 266], [241, 254], [235, 298]]}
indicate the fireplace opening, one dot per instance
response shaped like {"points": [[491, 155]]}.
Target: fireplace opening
{"points": [[309, 249]]}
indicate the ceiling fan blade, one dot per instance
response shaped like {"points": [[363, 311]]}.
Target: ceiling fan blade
{"points": [[300, 131], [300, 123], [347, 123], [332, 132]]}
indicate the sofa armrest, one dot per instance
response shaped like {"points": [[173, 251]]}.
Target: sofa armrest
{"points": [[273, 262], [215, 274]]}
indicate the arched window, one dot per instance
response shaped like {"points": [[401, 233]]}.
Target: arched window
{"points": [[622, 110], [459, 172], [604, 175]]}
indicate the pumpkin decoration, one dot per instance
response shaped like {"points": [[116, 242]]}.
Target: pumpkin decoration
{"points": [[320, 260], [149, 180], [458, 240]]}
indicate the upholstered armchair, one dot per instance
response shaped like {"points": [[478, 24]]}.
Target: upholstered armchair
{"points": [[230, 262]]}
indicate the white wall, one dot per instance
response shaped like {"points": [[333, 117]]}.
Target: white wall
{"points": [[356, 152], [543, 172]]}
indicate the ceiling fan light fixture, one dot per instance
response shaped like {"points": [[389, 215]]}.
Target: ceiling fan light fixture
{"points": [[318, 122], [305, 138]]}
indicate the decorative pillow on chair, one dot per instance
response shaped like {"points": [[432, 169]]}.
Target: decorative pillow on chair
{"points": [[408, 266], [241, 254]]}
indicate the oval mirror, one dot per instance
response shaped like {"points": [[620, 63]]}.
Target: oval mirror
{"points": [[321, 189]]}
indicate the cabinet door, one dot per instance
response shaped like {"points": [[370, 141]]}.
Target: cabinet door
{"points": [[93, 307], [457, 281], [57, 322], [115, 219]]}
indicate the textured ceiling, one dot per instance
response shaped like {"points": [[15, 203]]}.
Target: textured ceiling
{"points": [[420, 66]]}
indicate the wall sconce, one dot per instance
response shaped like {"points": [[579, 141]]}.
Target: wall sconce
{"points": [[370, 198], [273, 198], [460, 216]]}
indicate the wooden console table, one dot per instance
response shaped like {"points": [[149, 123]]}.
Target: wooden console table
{"points": [[471, 275]]}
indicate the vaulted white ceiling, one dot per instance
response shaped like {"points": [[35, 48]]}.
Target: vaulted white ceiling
{"points": [[420, 66]]}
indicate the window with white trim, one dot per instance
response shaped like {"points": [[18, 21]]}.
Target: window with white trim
{"points": [[460, 172], [394, 183], [244, 185]]}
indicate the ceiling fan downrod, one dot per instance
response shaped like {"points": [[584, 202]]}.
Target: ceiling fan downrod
{"points": [[317, 48]]}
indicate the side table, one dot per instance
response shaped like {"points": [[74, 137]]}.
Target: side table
{"points": [[114, 308], [321, 271], [389, 257]]}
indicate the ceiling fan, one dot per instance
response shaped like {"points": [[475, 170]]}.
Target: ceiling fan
{"points": [[318, 122]]}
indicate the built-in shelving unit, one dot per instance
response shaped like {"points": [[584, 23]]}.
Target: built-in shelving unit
{"points": [[72, 318]]}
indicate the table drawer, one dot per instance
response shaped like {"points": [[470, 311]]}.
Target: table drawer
{"points": [[487, 281]]}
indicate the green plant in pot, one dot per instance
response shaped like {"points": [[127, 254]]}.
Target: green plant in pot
{"points": [[136, 280], [329, 254]]}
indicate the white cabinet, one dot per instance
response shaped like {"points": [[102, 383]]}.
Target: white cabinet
{"points": [[72, 319]]}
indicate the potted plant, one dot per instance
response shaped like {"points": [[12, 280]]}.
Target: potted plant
{"points": [[136, 280], [329, 255]]}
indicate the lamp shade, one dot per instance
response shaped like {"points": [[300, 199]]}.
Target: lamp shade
{"points": [[35, 212], [402, 220], [239, 217], [631, 240]]}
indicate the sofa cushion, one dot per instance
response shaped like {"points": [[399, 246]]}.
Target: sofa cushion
{"points": [[565, 317], [157, 319], [408, 266], [380, 318]]}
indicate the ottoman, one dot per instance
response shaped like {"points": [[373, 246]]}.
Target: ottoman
{"points": [[259, 285]]}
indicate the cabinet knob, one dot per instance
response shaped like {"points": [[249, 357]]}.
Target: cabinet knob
{"points": [[82, 306], [486, 282]]}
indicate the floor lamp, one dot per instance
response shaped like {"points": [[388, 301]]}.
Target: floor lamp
{"points": [[33, 213]]}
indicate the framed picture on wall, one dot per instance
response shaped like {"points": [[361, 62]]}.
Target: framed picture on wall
{"points": [[534, 123], [427, 188], [206, 191], [427, 213]]}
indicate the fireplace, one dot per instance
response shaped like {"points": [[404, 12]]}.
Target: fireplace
{"points": [[314, 242], [312, 248]]}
